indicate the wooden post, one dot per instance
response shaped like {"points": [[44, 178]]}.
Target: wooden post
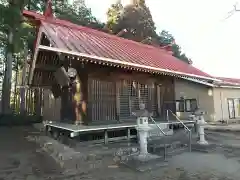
{"points": [[118, 99], [84, 94], [66, 113], [105, 137], [129, 134]]}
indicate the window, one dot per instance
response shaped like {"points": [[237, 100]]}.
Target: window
{"points": [[133, 89], [194, 105], [186, 105], [236, 106], [233, 107], [179, 106], [190, 105]]}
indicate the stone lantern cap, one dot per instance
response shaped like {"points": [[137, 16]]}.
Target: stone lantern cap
{"points": [[142, 112], [199, 112]]}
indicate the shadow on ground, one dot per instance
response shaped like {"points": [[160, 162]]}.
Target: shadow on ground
{"points": [[22, 159]]}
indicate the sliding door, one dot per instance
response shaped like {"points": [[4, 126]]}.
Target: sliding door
{"points": [[101, 100]]}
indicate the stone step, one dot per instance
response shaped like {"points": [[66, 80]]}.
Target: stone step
{"points": [[153, 148], [171, 152], [204, 148], [179, 141], [155, 132], [175, 152], [150, 162], [180, 135]]}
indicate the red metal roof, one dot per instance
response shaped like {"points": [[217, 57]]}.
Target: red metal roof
{"points": [[226, 80], [71, 37]]}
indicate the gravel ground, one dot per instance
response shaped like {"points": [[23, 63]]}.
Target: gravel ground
{"points": [[23, 159]]}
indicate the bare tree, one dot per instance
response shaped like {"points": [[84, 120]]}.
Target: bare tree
{"points": [[232, 12]]}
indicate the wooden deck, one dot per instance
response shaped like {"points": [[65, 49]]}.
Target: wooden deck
{"points": [[127, 128], [84, 128]]}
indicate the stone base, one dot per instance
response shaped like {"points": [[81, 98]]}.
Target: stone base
{"points": [[203, 142], [145, 162], [206, 148], [145, 157]]}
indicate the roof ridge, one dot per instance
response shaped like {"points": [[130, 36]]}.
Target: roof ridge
{"points": [[106, 35], [94, 31], [99, 33]]}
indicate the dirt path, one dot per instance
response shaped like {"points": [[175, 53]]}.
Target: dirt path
{"points": [[21, 159]]}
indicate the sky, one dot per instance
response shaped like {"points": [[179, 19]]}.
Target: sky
{"points": [[199, 27]]}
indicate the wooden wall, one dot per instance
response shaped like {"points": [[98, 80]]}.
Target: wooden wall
{"points": [[159, 98], [51, 106], [108, 96]]}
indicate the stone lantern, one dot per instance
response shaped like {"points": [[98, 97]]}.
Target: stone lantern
{"points": [[143, 128], [200, 126]]}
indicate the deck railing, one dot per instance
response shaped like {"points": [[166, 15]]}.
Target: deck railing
{"points": [[185, 127], [164, 134]]}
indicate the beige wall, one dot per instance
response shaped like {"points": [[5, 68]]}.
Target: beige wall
{"points": [[220, 102], [51, 106], [191, 90]]}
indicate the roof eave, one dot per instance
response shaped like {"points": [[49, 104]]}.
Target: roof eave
{"points": [[148, 68], [199, 81], [230, 87]]}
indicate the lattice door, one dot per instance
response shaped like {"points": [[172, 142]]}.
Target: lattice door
{"points": [[102, 100]]}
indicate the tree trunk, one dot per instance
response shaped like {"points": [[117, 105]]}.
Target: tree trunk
{"points": [[3, 89], [15, 86], [8, 76], [22, 89]]}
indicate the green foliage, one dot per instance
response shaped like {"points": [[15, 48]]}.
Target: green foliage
{"points": [[113, 15], [136, 19], [13, 22], [165, 38], [138, 22], [81, 16], [11, 18]]}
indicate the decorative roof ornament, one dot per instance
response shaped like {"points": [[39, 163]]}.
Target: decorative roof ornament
{"points": [[48, 13], [168, 47]]}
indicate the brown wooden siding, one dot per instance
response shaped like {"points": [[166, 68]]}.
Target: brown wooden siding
{"points": [[112, 94]]}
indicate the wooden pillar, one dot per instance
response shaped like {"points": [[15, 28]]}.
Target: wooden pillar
{"points": [[81, 109], [118, 85], [157, 99], [37, 101], [66, 105]]}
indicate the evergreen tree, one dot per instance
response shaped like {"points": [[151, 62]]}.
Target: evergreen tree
{"points": [[15, 33], [113, 15], [135, 18], [12, 30], [165, 39]]}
